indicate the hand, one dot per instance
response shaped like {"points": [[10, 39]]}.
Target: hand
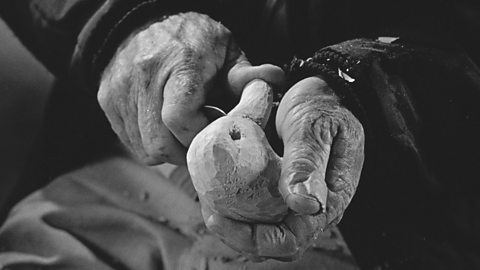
{"points": [[321, 167], [157, 83]]}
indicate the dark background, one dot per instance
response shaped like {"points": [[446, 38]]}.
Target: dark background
{"points": [[24, 88]]}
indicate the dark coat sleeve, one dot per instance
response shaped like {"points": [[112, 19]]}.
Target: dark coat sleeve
{"points": [[75, 39], [415, 87], [49, 29], [90, 31]]}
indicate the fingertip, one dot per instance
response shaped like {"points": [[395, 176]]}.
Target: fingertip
{"points": [[302, 182], [305, 194], [242, 73], [237, 235], [211, 223], [272, 74], [238, 76], [303, 204], [217, 225]]}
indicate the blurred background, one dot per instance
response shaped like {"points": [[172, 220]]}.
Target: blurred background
{"points": [[24, 88]]}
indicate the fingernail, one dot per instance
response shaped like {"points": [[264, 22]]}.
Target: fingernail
{"points": [[308, 196], [303, 204], [211, 224]]}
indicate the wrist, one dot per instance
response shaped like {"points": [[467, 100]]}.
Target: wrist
{"points": [[337, 70]]}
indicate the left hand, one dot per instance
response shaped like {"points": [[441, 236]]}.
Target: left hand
{"points": [[322, 162], [155, 87]]}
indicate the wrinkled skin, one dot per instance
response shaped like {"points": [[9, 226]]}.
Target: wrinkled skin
{"points": [[321, 167], [157, 83], [153, 92]]}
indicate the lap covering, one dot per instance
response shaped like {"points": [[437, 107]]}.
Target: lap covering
{"points": [[117, 214]]}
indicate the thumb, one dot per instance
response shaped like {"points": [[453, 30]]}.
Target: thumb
{"points": [[307, 143], [302, 181], [240, 71], [243, 72]]}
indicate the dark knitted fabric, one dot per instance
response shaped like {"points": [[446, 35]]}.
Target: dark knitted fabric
{"points": [[338, 69]]}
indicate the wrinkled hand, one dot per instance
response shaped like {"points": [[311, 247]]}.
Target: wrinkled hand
{"points": [[321, 167], [157, 83]]}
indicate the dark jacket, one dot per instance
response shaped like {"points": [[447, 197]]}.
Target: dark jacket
{"points": [[416, 206]]}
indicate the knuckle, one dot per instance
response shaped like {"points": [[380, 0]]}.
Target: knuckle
{"points": [[103, 96], [187, 79], [155, 150], [107, 90], [187, 54], [147, 65], [223, 38], [114, 88], [325, 128], [178, 117], [109, 104]]}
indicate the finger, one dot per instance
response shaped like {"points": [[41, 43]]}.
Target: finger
{"points": [[122, 115], [157, 140], [185, 92], [184, 96], [302, 181], [240, 71], [235, 234], [192, 75], [306, 228], [305, 129], [286, 241], [133, 109], [345, 166], [256, 241], [324, 146], [275, 241]]}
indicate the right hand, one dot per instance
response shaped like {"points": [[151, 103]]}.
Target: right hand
{"points": [[155, 86], [321, 168]]}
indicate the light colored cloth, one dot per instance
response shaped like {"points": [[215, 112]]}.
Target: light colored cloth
{"points": [[117, 214]]}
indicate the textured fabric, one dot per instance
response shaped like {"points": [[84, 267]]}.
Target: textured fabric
{"points": [[120, 215]]}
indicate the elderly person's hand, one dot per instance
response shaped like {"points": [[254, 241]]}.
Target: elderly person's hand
{"points": [[322, 162], [155, 87]]}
